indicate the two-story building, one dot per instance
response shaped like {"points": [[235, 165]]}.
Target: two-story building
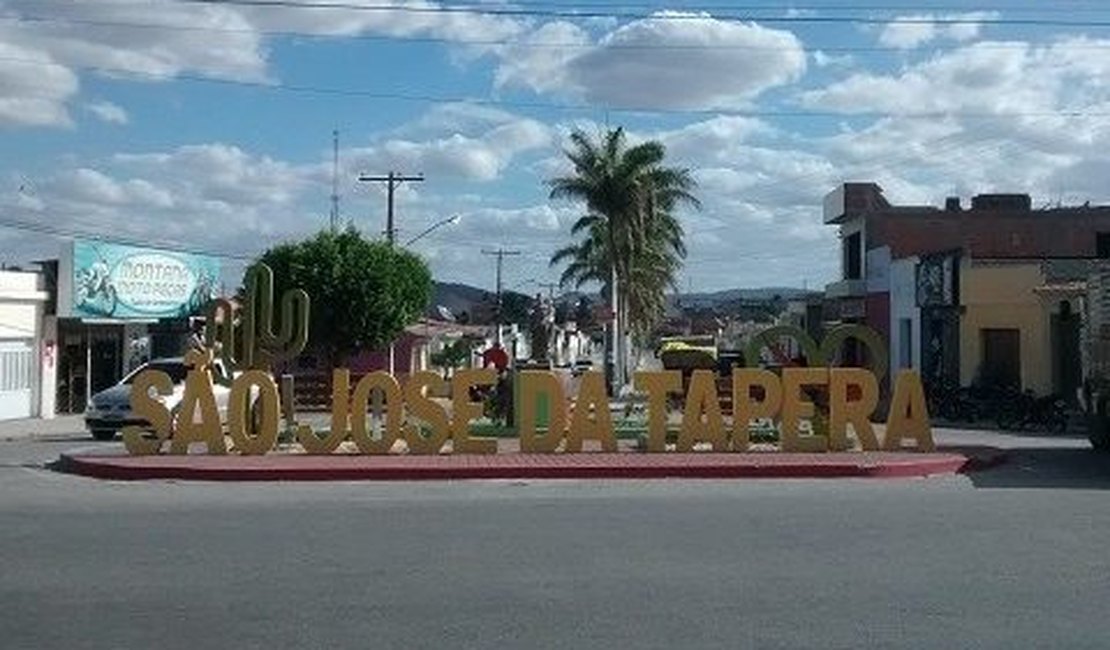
{"points": [[965, 294]]}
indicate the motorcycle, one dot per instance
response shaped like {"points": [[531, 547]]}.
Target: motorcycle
{"points": [[95, 292], [1026, 410], [953, 403]]}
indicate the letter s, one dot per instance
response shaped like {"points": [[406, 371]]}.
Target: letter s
{"points": [[148, 408]]}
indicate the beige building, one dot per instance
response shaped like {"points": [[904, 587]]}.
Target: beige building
{"points": [[1019, 325]]}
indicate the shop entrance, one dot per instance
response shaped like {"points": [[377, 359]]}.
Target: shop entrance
{"points": [[105, 357], [90, 360]]}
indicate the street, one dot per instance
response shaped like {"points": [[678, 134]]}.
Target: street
{"points": [[1010, 557]]}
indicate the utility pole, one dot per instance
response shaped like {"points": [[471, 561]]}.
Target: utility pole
{"points": [[551, 287], [392, 180], [500, 253]]}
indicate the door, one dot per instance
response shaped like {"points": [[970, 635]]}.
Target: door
{"points": [[105, 359], [1001, 365], [16, 377], [1066, 362]]}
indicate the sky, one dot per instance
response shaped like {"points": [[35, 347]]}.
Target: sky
{"points": [[207, 126]]}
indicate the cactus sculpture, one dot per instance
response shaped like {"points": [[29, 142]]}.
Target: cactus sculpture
{"points": [[251, 342]]}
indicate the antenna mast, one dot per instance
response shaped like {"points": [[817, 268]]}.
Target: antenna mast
{"points": [[334, 179]]}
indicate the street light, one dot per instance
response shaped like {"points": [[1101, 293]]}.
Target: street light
{"points": [[427, 231]]}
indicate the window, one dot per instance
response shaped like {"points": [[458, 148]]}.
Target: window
{"points": [[905, 343], [15, 370], [853, 256]]}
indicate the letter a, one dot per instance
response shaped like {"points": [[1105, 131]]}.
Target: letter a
{"points": [[591, 393], [909, 417], [702, 399]]}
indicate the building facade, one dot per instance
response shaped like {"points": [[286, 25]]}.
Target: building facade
{"points": [[111, 308], [966, 295], [23, 351]]}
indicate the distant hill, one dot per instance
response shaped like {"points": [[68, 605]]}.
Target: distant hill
{"points": [[727, 297], [457, 298], [461, 298]]}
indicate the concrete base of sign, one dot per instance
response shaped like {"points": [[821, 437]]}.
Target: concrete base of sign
{"points": [[705, 465]]}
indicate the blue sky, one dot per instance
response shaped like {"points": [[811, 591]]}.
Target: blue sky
{"points": [[208, 125]]}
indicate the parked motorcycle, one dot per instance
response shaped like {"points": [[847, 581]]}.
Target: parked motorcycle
{"points": [[951, 402], [1027, 411]]}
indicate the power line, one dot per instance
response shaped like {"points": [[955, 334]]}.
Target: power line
{"points": [[508, 42], [392, 181], [735, 15], [55, 231], [500, 253], [480, 101]]}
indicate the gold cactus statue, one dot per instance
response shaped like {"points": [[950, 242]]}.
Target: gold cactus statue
{"points": [[251, 343]]}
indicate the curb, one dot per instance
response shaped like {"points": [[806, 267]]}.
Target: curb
{"points": [[526, 466]]}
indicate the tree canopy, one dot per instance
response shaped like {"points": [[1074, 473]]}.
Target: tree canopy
{"points": [[629, 230], [364, 293]]}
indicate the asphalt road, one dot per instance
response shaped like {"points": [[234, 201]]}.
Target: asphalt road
{"points": [[1016, 557]]}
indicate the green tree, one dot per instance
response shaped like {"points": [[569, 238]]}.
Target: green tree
{"points": [[364, 293], [453, 355], [629, 240]]}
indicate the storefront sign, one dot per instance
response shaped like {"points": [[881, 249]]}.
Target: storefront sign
{"points": [[124, 282], [427, 426]]}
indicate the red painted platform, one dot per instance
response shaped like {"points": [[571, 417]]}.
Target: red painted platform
{"points": [[623, 465]]}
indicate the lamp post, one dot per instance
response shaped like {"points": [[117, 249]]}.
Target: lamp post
{"points": [[452, 220]]}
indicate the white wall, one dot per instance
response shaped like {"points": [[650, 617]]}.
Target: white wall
{"points": [[48, 368], [903, 305], [21, 305], [876, 265]]}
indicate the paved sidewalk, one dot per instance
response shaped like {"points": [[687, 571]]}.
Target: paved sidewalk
{"points": [[62, 426]]}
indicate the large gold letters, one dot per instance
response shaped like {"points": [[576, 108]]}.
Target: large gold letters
{"points": [[410, 414], [147, 407], [591, 395]]}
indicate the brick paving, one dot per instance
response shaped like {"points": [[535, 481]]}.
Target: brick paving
{"points": [[621, 465]]}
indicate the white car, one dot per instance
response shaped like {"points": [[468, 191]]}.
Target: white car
{"points": [[110, 410]]}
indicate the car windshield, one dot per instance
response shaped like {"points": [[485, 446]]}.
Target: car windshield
{"points": [[176, 371]]}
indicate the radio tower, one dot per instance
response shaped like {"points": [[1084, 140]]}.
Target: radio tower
{"points": [[334, 179]]}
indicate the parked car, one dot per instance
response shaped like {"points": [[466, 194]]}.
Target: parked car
{"points": [[109, 411]]}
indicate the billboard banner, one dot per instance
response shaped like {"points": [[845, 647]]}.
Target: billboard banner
{"points": [[133, 283]]}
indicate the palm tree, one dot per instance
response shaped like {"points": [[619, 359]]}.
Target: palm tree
{"points": [[629, 240]]}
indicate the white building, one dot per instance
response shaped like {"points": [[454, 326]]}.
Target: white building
{"points": [[23, 353]]}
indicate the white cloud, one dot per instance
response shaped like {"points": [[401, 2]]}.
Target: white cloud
{"points": [[481, 156], [531, 61], [34, 87], [415, 18], [697, 62], [825, 60], [108, 112], [44, 45], [986, 77], [208, 39], [908, 32]]}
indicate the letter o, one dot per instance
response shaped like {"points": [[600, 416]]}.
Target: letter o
{"points": [[769, 337], [241, 427], [394, 405], [870, 339]]}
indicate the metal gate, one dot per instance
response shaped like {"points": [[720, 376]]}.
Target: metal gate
{"points": [[16, 375]]}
